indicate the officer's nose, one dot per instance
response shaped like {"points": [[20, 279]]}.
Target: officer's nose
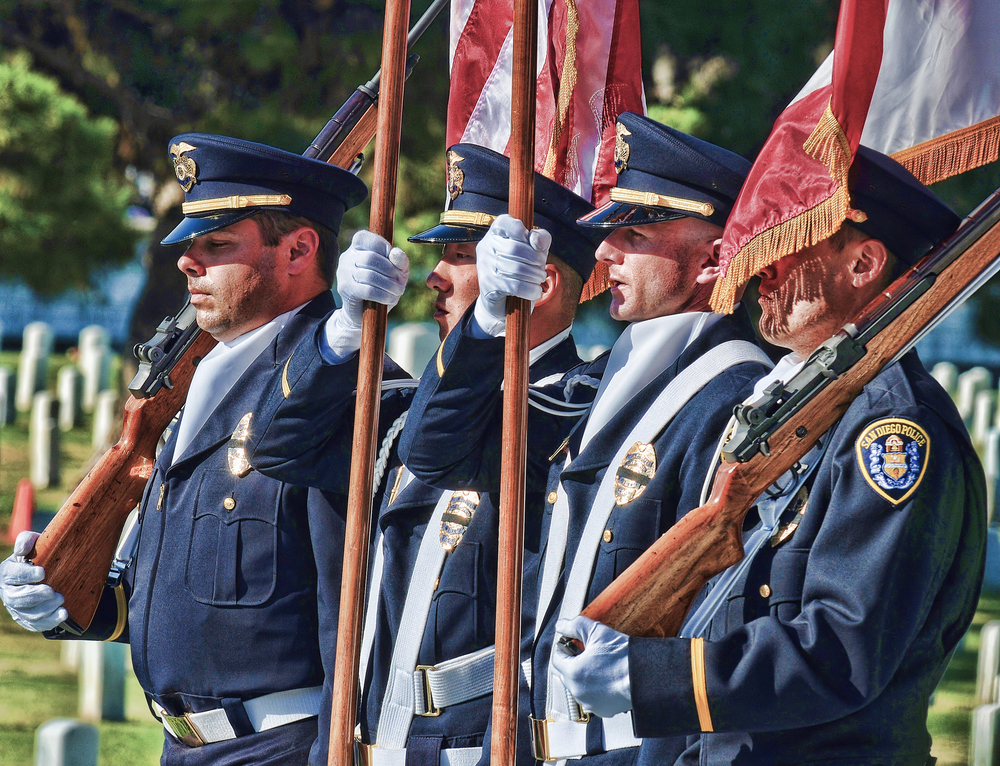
{"points": [[189, 264], [608, 253], [437, 279]]}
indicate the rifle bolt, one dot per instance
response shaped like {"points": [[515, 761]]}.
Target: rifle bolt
{"points": [[801, 432]]}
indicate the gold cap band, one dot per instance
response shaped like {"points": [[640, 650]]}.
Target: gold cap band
{"points": [[235, 203], [467, 218], [652, 199]]}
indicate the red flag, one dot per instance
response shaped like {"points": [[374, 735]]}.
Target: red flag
{"points": [[918, 79]]}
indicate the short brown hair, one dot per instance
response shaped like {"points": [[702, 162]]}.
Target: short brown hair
{"points": [[275, 224]]}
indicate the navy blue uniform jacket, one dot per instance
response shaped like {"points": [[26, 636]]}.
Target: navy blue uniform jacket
{"points": [[683, 450], [462, 613], [227, 604], [831, 647]]}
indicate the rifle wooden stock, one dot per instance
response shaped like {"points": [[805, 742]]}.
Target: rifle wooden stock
{"points": [[78, 545], [652, 597]]}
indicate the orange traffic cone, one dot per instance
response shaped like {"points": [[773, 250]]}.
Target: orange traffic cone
{"points": [[24, 508]]}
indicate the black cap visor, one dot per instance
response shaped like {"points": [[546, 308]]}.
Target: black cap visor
{"points": [[191, 227], [615, 214], [446, 234]]}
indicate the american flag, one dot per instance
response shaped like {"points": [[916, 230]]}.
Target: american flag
{"points": [[916, 79], [589, 72]]}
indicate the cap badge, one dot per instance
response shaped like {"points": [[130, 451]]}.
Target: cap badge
{"points": [[236, 454], [456, 518], [621, 148], [893, 454], [184, 167], [635, 472], [456, 176]]}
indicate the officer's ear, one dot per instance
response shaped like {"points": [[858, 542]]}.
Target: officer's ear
{"points": [[709, 269], [299, 248], [551, 284]]}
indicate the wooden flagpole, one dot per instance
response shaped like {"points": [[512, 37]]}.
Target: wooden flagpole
{"points": [[383, 208], [503, 746]]}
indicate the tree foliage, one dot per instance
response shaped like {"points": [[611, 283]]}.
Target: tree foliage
{"points": [[62, 207]]}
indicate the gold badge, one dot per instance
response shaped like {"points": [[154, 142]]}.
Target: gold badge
{"points": [[635, 473], [621, 148], [184, 167], [456, 518], [798, 507], [239, 465], [893, 455], [456, 176]]}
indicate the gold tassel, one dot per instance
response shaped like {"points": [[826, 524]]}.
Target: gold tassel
{"points": [[953, 153], [599, 282], [829, 145], [804, 230], [567, 83]]}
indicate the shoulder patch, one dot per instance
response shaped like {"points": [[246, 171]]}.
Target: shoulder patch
{"points": [[893, 454]]}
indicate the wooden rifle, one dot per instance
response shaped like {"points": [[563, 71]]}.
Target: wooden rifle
{"points": [[652, 597], [78, 546]]}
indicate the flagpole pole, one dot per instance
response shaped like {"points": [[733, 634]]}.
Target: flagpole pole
{"points": [[358, 525], [503, 746]]}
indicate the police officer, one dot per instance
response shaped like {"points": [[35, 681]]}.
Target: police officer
{"points": [[826, 644], [621, 476], [434, 616], [219, 602]]}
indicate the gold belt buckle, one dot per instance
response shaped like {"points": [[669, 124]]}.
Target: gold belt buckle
{"points": [[430, 710], [540, 739], [182, 727], [363, 753]]}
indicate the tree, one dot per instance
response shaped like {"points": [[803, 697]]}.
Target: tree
{"points": [[62, 206]]}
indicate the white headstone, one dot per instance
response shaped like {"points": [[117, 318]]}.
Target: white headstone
{"points": [[984, 745], [65, 742], [104, 420], [412, 345], [102, 681], [43, 441], [988, 670], [69, 654], [37, 337], [982, 415], [970, 383], [991, 466], [68, 390], [946, 374], [7, 386], [32, 367], [96, 368]]}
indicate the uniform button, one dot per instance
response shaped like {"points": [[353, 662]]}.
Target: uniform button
{"points": [[608, 535], [552, 497], [437, 582], [229, 503], [765, 591]]}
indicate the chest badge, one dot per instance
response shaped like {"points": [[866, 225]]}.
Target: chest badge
{"points": [[893, 455], [796, 509], [456, 518], [236, 454], [635, 472]]}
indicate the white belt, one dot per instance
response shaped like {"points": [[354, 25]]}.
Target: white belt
{"points": [[369, 755], [453, 681], [267, 712], [556, 740]]}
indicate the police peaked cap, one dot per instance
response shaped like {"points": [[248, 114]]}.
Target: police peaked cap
{"points": [[478, 190], [664, 174], [908, 217], [227, 179]]}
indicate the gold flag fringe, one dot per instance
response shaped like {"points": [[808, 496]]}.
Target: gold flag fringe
{"points": [[953, 153], [567, 84], [599, 282], [829, 145]]}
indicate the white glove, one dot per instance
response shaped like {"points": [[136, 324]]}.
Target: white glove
{"points": [[369, 270], [598, 677], [510, 261], [32, 605]]}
